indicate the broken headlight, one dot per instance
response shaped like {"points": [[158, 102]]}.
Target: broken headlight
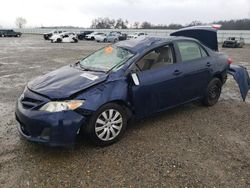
{"points": [[58, 106]]}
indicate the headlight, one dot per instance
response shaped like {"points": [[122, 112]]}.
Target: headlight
{"points": [[58, 106]]}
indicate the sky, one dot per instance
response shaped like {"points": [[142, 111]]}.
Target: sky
{"points": [[81, 12]]}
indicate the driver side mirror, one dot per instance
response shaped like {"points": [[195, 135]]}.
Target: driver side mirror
{"points": [[135, 79]]}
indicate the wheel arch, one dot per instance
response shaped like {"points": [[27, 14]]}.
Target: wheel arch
{"points": [[124, 104]]}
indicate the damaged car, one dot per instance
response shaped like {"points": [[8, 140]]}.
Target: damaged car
{"points": [[65, 37], [135, 78], [233, 42]]}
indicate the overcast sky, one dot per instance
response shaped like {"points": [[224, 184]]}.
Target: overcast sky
{"points": [[81, 12]]}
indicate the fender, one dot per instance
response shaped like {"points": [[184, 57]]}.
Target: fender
{"points": [[241, 76]]}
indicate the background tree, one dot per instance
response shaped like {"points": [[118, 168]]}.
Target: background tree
{"points": [[103, 23], [146, 25], [136, 25], [20, 22], [121, 24], [195, 23]]}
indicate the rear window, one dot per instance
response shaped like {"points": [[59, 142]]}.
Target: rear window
{"points": [[190, 51]]}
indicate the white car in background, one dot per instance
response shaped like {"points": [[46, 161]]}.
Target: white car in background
{"points": [[136, 35], [92, 36], [101, 37], [67, 37]]}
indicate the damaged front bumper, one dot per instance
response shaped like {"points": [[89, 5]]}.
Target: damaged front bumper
{"points": [[53, 129], [241, 76]]}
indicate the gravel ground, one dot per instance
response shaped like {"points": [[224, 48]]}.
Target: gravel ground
{"points": [[191, 146]]}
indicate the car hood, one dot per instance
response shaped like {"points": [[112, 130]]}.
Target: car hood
{"points": [[65, 82]]}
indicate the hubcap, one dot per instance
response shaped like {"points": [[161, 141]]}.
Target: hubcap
{"points": [[108, 125]]}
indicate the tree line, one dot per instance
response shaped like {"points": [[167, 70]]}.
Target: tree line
{"points": [[107, 23]]}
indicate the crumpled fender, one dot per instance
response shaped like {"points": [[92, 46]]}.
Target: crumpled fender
{"points": [[241, 76]]}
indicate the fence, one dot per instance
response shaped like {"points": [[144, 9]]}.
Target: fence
{"points": [[222, 34]]}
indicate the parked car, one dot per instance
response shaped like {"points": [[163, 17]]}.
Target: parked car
{"points": [[133, 78], [82, 34], [121, 36], [101, 37], [92, 36], [233, 42], [113, 37], [47, 36], [9, 33], [66, 37], [136, 35]]}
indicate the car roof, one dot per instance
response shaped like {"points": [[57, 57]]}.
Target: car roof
{"points": [[140, 44]]}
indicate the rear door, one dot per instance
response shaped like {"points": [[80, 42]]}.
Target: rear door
{"points": [[196, 67]]}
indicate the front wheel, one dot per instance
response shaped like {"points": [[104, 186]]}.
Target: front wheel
{"points": [[213, 92], [107, 125]]}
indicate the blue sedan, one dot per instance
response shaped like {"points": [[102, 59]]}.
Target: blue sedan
{"points": [[134, 78]]}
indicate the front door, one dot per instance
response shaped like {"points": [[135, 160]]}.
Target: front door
{"points": [[159, 82]]}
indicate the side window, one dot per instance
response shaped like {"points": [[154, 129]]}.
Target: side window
{"points": [[190, 51], [203, 53], [157, 58]]}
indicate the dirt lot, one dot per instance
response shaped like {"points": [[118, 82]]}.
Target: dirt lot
{"points": [[191, 146]]}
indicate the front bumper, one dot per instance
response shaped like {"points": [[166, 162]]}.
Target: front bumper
{"points": [[53, 129]]}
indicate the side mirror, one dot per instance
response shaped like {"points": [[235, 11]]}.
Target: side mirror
{"points": [[135, 79]]}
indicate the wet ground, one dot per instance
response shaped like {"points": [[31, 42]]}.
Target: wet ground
{"points": [[191, 146]]}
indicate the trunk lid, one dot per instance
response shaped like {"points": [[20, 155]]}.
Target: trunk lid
{"points": [[206, 35]]}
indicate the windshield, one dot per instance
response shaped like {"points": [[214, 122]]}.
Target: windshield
{"points": [[105, 59]]}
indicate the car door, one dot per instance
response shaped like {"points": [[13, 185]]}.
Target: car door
{"points": [[196, 68], [159, 82]]}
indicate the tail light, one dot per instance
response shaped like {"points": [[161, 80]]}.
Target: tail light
{"points": [[229, 61], [216, 26]]}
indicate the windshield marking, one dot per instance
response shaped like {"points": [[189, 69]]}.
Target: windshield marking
{"points": [[89, 76]]}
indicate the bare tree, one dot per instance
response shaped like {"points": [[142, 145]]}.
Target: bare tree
{"points": [[20, 22], [136, 25], [146, 25]]}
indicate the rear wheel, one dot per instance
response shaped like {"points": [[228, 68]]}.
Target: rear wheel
{"points": [[107, 125], [213, 92], [58, 40]]}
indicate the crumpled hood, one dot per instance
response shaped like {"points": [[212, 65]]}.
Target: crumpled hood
{"points": [[64, 82]]}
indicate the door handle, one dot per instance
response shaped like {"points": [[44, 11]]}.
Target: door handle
{"points": [[208, 64], [177, 72]]}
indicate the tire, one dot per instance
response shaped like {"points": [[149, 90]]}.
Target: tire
{"points": [[92, 38], [100, 128], [213, 92], [105, 40], [115, 41], [59, 40]]}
